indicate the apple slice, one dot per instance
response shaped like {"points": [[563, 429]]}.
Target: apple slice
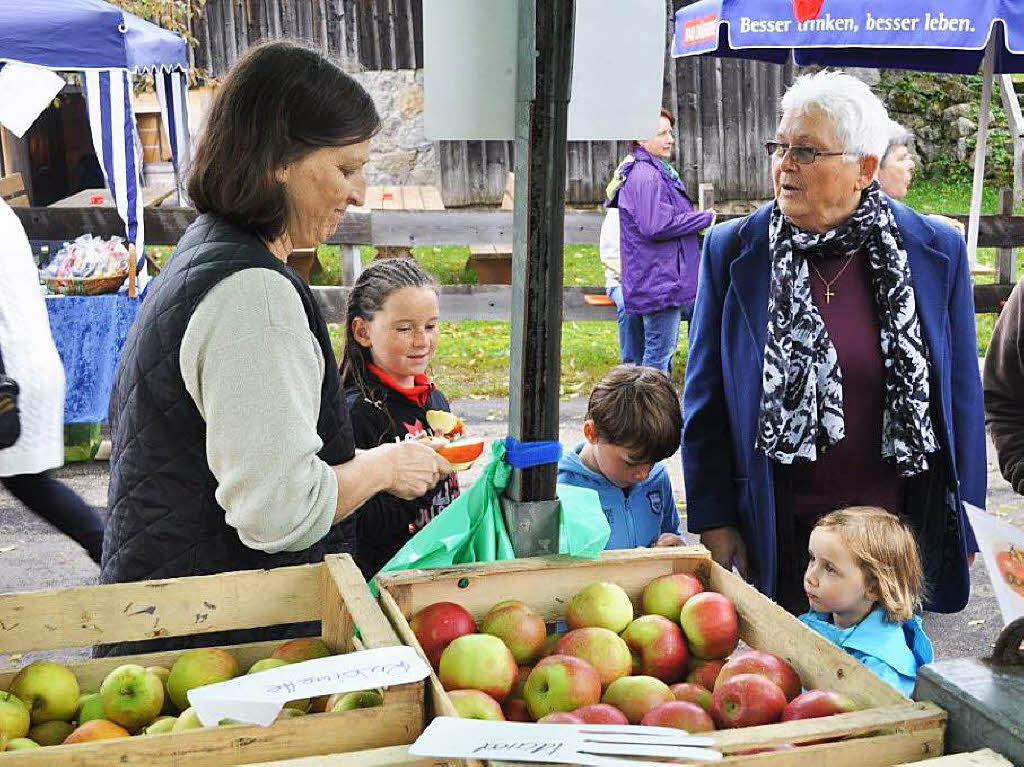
{"points": [[462, 452], [444, 423]]}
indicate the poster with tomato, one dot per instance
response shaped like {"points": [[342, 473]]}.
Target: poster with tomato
{"points": [[1002, 547]]}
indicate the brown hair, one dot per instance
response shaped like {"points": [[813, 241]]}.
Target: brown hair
{"points": [[636, 407], [279, 102], [378, 281], [667, 115], [885, 550]]}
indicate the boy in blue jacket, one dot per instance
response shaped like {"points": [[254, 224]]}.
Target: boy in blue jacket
{"points": [[633, 421]]}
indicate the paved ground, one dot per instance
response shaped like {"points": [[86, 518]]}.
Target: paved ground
{"points": [[34, 556]]}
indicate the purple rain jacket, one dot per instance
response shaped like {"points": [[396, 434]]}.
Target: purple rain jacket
{"points": [[659, 229]]}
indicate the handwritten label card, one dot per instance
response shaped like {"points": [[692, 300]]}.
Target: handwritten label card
{"points": [[557, 743], [258, 698]]}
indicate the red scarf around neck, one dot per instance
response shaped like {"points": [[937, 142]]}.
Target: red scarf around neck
{"points": [[418, 393]]}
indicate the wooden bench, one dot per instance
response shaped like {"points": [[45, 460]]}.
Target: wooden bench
{"points": [[12, 190], [401, 198], [493, 263]]}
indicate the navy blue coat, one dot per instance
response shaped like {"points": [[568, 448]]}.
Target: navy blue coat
{"points": [[728, 482]]}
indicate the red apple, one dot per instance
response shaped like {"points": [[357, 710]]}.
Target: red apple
{"points": [[767, 665], [299, 650], [561, 683], [473, 704], [666, 595], [601, 713], [681, 715], [96, 729], [515, 710], [600, 604], [519, 626], [693, 693], [704, 672], [602, 648], [658, 648], [815, 703], [478, 662], [519, 683], [710, 623], [634, 696], [438, 624], [560, 717], [747, 700]]}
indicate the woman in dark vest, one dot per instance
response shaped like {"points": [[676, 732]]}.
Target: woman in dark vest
{"points": [[232, 447]]}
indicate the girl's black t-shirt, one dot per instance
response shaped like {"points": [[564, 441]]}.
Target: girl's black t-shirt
{"points": [[387, 413]]}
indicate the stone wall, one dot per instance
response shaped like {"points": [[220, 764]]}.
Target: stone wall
{"points": [[399, 154]]}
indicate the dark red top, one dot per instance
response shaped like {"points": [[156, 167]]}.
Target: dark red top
{"points": [[852, 472]]}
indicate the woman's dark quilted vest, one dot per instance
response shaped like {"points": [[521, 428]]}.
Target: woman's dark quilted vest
{"points": [[164, 520]]}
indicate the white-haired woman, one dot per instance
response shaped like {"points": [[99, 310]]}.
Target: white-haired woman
{"points": [[833, 359]]}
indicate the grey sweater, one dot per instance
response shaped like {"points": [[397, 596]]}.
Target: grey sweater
{"points": [[254, 371]]}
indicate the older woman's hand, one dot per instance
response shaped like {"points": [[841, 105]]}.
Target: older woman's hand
{"points": [[416, 468]]}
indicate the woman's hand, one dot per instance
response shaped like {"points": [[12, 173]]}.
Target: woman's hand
{"points": [[726, 547], [668, 539], [416, 468]]}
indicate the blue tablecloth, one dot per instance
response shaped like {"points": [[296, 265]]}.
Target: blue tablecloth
{"points": [[90, 332]]}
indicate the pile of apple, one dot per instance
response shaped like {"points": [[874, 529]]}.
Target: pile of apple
{"points": [[670, 667], [45, 706]]}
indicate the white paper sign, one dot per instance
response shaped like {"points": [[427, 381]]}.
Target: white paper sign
{"points": [[258, 698], [469, 69], [557, 743], [1002, 547], [25, 90]]}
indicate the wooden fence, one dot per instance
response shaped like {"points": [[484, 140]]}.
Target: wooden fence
{"points": [[452, 227], [724, 108]]}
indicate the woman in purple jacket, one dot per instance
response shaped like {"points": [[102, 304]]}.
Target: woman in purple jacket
{"points": [[659, 252]]}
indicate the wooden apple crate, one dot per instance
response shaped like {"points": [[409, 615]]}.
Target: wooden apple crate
{"points": [[889, 730], [332, 592]]}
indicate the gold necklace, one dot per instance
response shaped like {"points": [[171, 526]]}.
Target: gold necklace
{"points": [[829, 293]]}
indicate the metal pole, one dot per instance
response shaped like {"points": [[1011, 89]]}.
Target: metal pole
{"points": [[980, 151], [544, 72]]}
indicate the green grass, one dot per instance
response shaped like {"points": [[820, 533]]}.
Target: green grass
{"points": [[473, 357]]}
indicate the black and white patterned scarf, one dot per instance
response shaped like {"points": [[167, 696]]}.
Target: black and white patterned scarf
{"points": [[802, 395]]}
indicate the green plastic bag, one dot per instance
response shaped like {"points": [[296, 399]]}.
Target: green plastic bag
{"points": [[472, 528]]}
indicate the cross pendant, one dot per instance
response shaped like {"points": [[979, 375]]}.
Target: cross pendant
{"points": [[828, 294]]}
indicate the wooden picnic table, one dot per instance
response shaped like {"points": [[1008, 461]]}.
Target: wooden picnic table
{"points": [[152, 195]]}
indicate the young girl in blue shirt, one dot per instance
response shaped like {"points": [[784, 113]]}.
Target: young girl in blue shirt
{"points": [[864, 583]]}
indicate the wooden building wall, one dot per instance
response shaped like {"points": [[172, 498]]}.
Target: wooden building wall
{"points": [[725, 108]]}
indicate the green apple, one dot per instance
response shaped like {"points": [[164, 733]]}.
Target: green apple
{"points": [[90, 706], [49, 691], [187, 720], [473, 704], [300, 704], [14, 717], [22, 744], [162, 673], [561, 683], [478, 662], [132, 697], [198, 667], [357, 699], [666, 595], [160, 725], [634, 696], [51, 733], [604, 605]]}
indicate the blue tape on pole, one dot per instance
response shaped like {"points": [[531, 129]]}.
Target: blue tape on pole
{"points": [[523, 455]]}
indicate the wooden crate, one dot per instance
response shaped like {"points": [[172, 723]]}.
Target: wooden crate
{"points": [[333, 592], [890, 729]]}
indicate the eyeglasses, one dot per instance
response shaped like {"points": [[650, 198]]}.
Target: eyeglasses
{"points": [[802, 155]]}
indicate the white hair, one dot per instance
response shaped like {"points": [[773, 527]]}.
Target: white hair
{"points": [[858, 116]]}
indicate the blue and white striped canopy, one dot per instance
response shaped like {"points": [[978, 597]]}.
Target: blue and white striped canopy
{"points": [[107, 46]]}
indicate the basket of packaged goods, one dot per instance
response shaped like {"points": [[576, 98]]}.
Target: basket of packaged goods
{"points": [[89, 266]]}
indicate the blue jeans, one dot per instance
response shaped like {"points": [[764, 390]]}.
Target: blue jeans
{"points": [[661, 334], [631, 330]]}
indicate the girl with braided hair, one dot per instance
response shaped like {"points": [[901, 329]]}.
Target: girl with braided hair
{"points": [[391, 329]]}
